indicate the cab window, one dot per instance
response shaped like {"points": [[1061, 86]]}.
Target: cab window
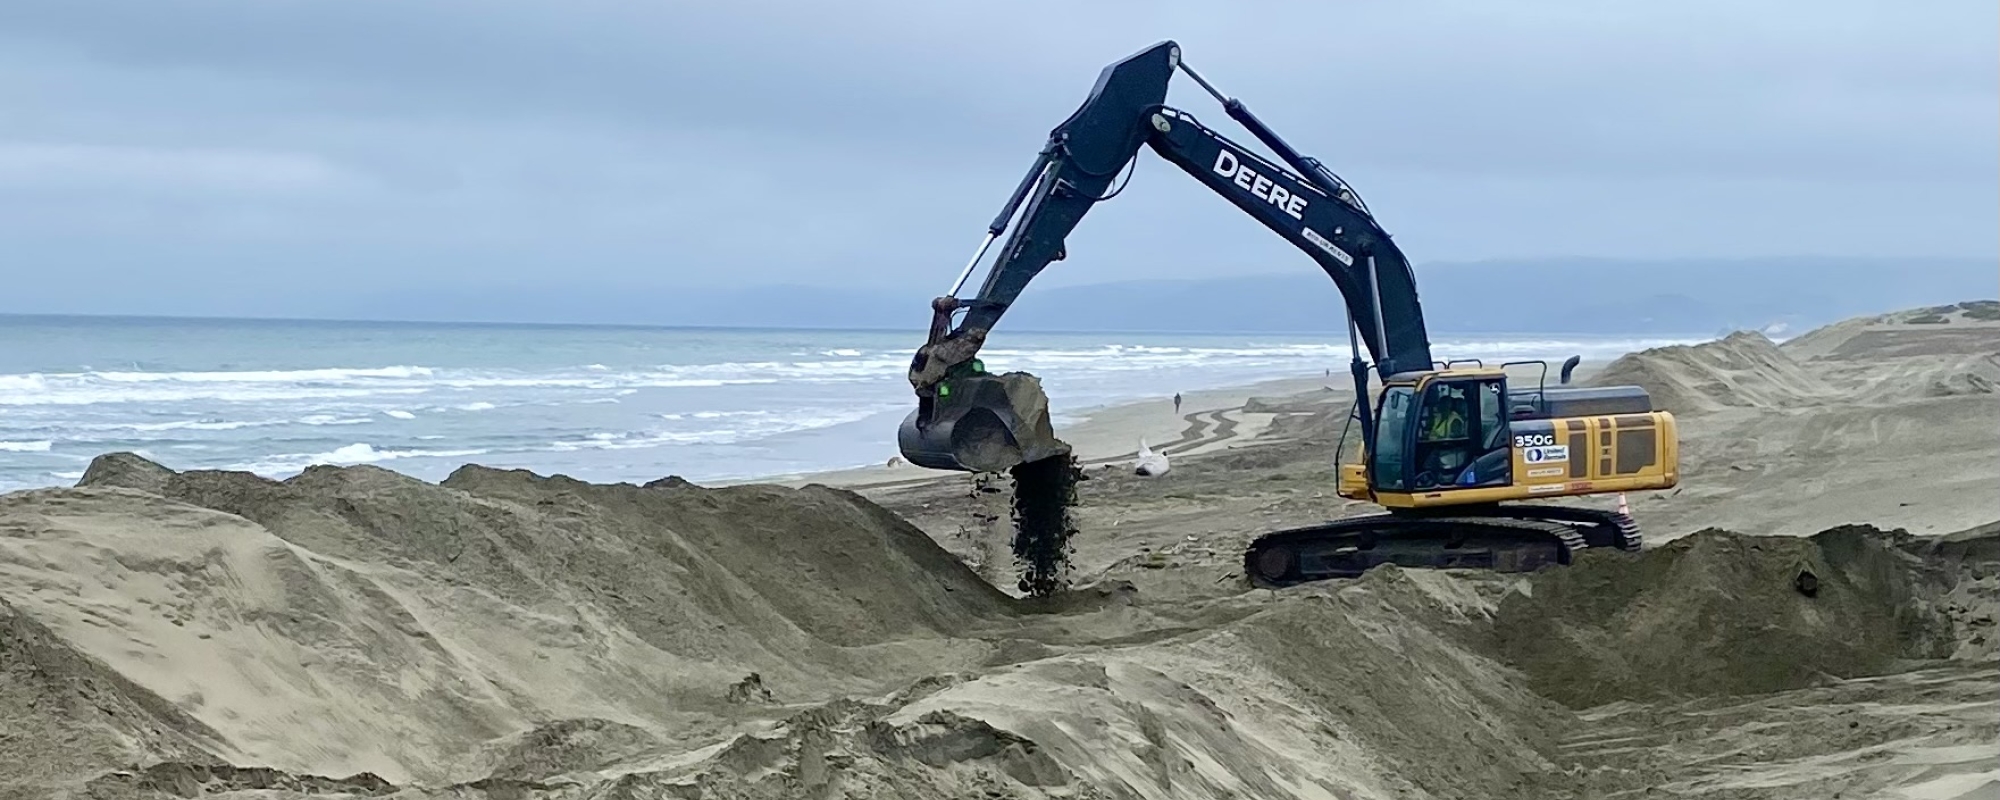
{"points": [[1492, 419], [1392, 430], [1461, 436]]}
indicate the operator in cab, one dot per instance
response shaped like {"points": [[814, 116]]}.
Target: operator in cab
{"points": [[1443, 443], [1447, 416]]}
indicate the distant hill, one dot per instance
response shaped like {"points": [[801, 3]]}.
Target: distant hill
{"points": [[1542, 296], [1530, 295]]}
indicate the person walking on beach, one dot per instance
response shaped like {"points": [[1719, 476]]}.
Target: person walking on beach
{"points": [[1177, 403]]}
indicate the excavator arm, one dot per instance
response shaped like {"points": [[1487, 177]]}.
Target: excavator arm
{"points": [[992, 424]]}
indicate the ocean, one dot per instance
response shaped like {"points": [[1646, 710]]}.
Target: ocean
{"points": [[598, 403]]}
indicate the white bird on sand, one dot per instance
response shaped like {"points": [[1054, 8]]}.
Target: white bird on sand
{"points": [[1149, 463]]}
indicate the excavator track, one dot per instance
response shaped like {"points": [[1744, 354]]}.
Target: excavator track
{"points": [[1603, 529], [1502, 539]]}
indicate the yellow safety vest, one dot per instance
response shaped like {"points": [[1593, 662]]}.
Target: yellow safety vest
{"points": [[1447, 425]]}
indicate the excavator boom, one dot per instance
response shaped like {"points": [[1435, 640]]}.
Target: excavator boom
{"points": [[1125, 111]]}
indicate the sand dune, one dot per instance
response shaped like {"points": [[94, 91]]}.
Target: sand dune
{"points": [[1897, 430], [68, 714], [1743, 370], [1960, 321], [355, 632], [1399, 683], [355, 620]]}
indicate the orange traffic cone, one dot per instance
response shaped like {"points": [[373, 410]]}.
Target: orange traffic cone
{"points": [[1622, 507]]}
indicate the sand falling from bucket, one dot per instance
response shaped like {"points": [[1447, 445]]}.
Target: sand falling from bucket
{"points": [[1044, 492]]}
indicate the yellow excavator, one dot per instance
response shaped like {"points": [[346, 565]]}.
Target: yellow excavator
{"points": [[1450, 450]]}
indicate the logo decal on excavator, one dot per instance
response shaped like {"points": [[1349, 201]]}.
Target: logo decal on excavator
{"points": [[1229, 166], [1547, 454], [1339, 254]]}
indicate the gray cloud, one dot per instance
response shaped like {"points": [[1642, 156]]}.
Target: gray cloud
{"points": [[224, 157]]}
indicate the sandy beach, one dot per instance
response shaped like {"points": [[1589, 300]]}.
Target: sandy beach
{"points": [[354, 632], [1209, 419]]}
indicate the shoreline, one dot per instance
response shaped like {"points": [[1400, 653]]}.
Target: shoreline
{"points": [[771, 408], [1209, 420]]}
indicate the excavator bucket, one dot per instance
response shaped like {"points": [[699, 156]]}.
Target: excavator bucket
{"points": [[982, 423]]}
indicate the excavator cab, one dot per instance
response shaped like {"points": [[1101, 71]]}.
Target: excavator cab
{"points": [[1435, 432], [1464, 437]]}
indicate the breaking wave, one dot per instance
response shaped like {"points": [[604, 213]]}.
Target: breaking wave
{"points": [[753, 403], [357, 453], [87, 431], [716, 427], [839, 365], [742, 426]]}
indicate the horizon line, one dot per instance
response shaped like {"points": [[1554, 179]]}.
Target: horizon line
{"points": [[72, 317]]}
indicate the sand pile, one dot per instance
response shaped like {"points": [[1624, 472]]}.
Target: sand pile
{"points": [[1967, 567], [1743, 370], [1973, 319], [1917, 379], [355, 620], [65, 714], [1716, 613], [1401, 684], [1824, 340], [1365, 692], [567, 746], [355, 632], [1906, 440]]}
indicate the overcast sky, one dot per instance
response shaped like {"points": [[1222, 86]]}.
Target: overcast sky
{"points": [[163, 156]]}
